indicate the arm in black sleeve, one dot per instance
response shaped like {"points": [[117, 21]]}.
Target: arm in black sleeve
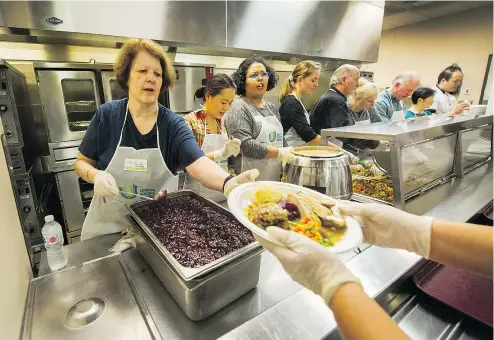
{"points": [[341, 117], [293, 115], [339, 114], [319, 118]]}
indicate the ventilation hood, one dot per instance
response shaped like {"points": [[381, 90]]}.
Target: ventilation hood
{"points": [[343, 30]]}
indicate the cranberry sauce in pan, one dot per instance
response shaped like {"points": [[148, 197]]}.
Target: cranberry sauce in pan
{"points": [[194, 233]]}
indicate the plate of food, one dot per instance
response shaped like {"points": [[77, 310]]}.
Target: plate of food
{"points": [[258, 205]]}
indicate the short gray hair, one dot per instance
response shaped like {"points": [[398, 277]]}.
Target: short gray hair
{"points": [[405, 77], [342, 71]]}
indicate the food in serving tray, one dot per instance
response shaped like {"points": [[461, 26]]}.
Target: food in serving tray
{"points": [[380, 190], [368, 183], [369, 171], [319, 220], [192, 231]]}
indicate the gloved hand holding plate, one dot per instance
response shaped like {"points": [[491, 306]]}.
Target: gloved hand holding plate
{"points": [[259, 205]]}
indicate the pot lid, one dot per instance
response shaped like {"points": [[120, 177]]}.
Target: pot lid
{"points": [[317, 151]]}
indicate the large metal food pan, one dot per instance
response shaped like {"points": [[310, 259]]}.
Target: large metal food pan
{"points": [[200, 298], [187, 273]]}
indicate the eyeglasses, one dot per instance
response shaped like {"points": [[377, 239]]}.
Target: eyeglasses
{"points": [[256, 75]]}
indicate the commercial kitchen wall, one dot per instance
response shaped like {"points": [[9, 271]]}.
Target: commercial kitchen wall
{"points": [[430, 46], [14, 260]]}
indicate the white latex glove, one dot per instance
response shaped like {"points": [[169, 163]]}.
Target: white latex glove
{"points": [[126, 242], [460, 107], [105, 185], [389, 227], [308, 262], [231, 148], [244, 177], [282, 152]]}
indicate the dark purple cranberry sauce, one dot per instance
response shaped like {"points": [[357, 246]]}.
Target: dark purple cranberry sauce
{"points": [[194, 233]]}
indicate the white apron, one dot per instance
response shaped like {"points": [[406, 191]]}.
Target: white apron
{"points": [[142, 172], [271, 134], [292, 138], [398, 116], [212, 142], [355, 116], [363, 122]]}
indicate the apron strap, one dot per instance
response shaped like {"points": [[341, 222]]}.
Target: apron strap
{"points": [[257, 109], [219, 129], [123, 126]]}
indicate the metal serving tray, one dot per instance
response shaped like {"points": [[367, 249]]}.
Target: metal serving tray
{"points": [[187, 273], [204, 296]]}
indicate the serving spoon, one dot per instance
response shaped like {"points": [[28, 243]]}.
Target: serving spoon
{"points": [[161, 195]]}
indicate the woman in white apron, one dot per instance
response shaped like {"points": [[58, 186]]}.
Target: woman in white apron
{"points": [[135, 146], [206, 125], [255, 121], [362, 100], [294, 117], [134, 170], [271, 135]]}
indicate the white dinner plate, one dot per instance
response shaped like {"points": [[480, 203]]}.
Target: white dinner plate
{"points": [[240, 198]]}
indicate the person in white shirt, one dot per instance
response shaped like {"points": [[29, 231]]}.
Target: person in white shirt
{"points": [[448, 82]]}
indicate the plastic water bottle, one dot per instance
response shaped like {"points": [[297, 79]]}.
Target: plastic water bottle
{"points": [[53, 241]]}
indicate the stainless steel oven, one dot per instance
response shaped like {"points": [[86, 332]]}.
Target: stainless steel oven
{"points": [[69, 99], [75, 197], [70, 94], [111, 89], [189, 78]]}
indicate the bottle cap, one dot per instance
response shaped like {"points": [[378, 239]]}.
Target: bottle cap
{"points": [[49, 218]]}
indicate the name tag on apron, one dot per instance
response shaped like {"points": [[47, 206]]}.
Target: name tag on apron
{"points": [[132, 164]]}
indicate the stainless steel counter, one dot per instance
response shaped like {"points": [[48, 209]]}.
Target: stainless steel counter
{"points": [[279, 308], [84, 302]]}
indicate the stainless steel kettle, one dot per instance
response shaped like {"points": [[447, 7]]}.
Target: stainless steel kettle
{"points": [[321, 168]]}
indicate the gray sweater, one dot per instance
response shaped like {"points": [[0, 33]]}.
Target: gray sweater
{"points": [[239, 123]]}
